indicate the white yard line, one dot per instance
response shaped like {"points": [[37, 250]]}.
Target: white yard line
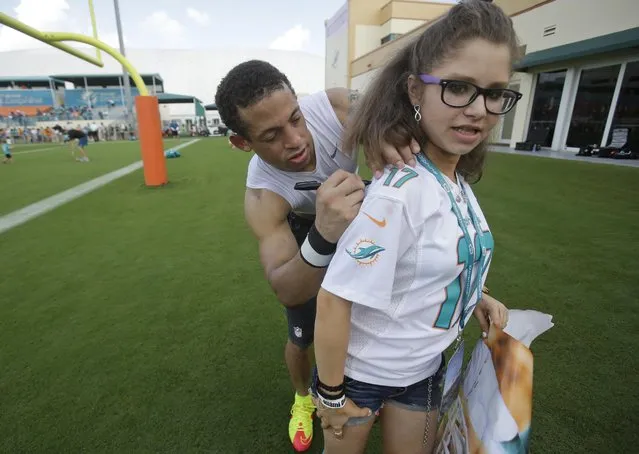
{"points": [[18, 152], [18, 217], [62, 146]]}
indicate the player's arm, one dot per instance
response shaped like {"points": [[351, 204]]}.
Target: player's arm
{"points": [[295, 273], [291, 278], [344, 102]]}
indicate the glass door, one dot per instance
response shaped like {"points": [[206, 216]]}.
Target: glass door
{"points": [[543, 118], [592, 105], [627, 110]]}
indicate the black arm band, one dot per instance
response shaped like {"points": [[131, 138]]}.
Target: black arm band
{"points": [[317, 251], [324, 395], [330, 389], [318, 242]]}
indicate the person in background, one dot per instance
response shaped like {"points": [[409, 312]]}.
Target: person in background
{"points": [[6, 150], [78, 140]]}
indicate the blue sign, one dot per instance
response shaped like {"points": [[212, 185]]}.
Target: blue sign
{"points": [[95, 97], [24, 98]]}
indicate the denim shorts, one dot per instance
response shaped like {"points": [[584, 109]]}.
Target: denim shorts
{"points": [[413, 397]]}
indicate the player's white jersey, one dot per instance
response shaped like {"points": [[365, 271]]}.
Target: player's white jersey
{"points": [[401, 263], [327, 130]]}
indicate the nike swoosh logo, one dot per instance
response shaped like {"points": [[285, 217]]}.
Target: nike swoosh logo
{"points": [[379, 223], [334, 153]]}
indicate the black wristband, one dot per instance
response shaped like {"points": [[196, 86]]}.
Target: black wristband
{"points": [[321, 245], [315, 250], [323, 394], [332, 389]]}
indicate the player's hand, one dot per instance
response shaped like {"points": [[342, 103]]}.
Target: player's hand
{"points": [[488, 311], [338, 201], [335, 418], [396, 156]]}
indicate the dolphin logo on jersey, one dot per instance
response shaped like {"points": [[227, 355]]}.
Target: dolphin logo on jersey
{"points": [[365, 252]]}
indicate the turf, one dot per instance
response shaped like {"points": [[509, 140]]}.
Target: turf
{"points": [[41, 170], [138, 320]]}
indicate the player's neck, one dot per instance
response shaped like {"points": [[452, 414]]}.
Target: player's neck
{"points": [[445, 162]]}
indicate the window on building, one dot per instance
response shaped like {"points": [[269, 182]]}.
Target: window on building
{"points": [[627, 110], [550, 86], [390, 37], [592, 105]]}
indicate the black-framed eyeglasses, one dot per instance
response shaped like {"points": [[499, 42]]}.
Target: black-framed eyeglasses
{"points": [[460, 93]]}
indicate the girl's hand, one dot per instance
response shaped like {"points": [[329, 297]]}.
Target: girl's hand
{"points": [[335, 418], [488, 311]]}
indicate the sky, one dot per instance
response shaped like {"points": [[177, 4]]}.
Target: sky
{"points": [[186, 24]]}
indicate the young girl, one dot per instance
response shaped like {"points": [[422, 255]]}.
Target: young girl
{"points": [[409, 272]]}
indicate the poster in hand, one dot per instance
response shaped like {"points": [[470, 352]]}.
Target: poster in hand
{"points": [[492, 411]]}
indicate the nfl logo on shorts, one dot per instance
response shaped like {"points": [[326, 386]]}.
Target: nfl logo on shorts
{"points": [[298, 331]]}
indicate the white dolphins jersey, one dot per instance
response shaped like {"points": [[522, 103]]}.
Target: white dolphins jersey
{"points": [[401, 264]]}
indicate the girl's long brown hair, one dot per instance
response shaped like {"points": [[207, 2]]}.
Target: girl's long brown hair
{"points": [[384, 113]]}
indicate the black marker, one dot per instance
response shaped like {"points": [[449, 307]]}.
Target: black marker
{"points": [[314, 185]]}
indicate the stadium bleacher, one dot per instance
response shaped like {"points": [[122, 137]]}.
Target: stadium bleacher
{"points": [[28, 101], [33, 108]]}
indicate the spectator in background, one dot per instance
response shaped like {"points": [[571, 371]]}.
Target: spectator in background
{"points": [[93, 131], [78, 140], [6, 150]]}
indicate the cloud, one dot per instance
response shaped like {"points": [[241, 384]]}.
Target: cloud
{"points": [[111, 38], [161, 23], [163, 30], [201, 18], [296, 38], [43, 15]]}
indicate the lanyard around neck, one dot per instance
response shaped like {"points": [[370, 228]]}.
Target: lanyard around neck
{"points": [[470, 243]]}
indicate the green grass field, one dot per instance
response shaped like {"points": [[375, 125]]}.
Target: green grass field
{"points": [[138, 320], [44, 169]]}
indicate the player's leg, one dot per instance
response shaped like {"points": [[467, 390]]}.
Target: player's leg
{"points": [[73, 144], [82, 144], [301, 325], [301, 322], [83, 153], [297, 353], [409, 418]]}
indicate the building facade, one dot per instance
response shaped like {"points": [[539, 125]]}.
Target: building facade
{"points": [[362, 30], [579, 74]]}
